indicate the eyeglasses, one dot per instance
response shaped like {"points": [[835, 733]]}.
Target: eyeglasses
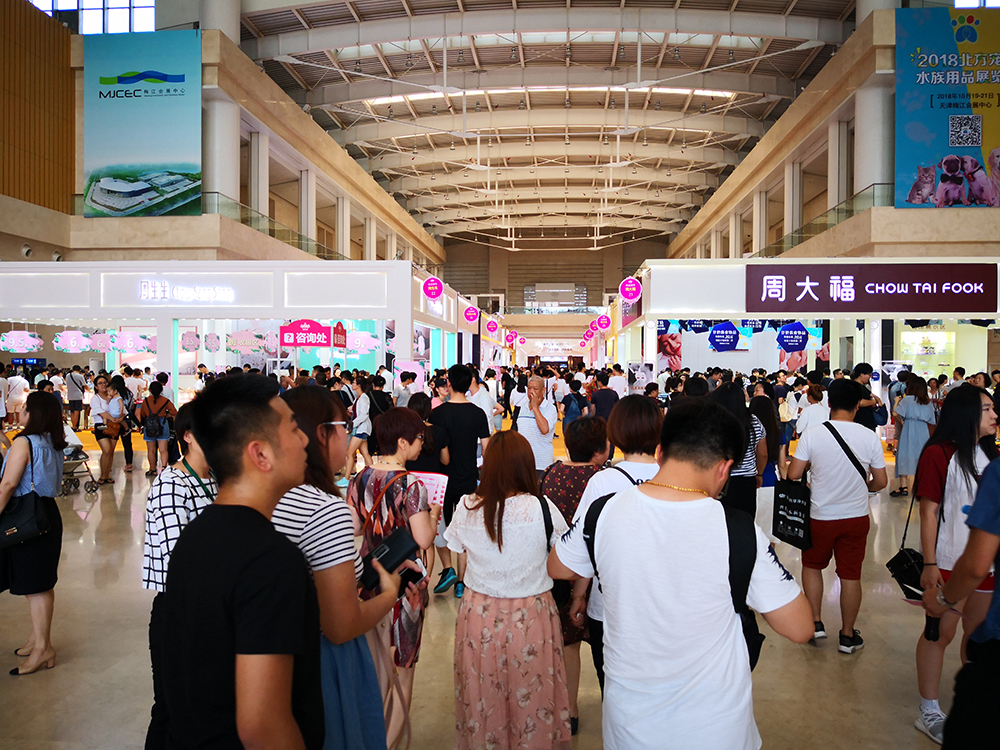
{"points": [[348, 425]]}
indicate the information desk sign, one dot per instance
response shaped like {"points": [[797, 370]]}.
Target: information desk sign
{"points": [[339, 336], [306, 333], [830, 289]]}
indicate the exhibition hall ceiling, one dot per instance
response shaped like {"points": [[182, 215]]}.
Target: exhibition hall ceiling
{"points": [[490, 121]]}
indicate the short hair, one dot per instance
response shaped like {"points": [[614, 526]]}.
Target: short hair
{"points": [[651, 388], [960, 371], [407, 377], [460, 378], [162, 377], [634, 425], [315, 407], [903, 375], [395, 423], [702, 433], [575, 385], [127, 370], [862, 368], [585, 438], [844, 394], [182, 426], [696, 387], [537, 381], [490, 373], [229, 414], [41, 385], [602, 377]]}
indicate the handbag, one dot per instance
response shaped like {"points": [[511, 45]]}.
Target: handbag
{"points": [[111, 429], [562, 591], [792, 505], [881, 415], [907, 565], [24, 517]]}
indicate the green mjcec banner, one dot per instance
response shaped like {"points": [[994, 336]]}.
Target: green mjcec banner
{"points": [[142, 124]]}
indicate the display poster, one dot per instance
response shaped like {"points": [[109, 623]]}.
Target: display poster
{"points": [[947, 107], [727, 337], [142, 124], [668, 345], [421, 343], [640, 374], [417, 368]]}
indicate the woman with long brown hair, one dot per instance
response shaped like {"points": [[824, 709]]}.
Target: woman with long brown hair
{"points": [[508, 638]]}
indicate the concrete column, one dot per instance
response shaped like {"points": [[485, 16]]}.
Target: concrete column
{"points": [[344, 226], [793, 196], [758, 235], [307, 203], [408, 253], [221, 147], [716, 242], [391, 245], [873, 351], [370, 238], [223, 15], [873, 124], [166, 348], [865, 7], [735, 235], [260, 173], [837, 164]]}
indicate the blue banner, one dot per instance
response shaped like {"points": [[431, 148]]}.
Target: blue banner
{"points": [[726, 337], [755, 325], [142, 124], [793, 337], [947, 108]]}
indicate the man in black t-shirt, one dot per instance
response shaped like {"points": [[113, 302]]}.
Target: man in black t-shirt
{"points": [[241, 621], [467, 428]]}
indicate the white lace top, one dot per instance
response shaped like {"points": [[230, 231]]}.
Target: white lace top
{"points": [[519, 570]]}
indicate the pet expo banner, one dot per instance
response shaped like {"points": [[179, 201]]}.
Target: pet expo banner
{"points": [[947, 107], [142, 124]]}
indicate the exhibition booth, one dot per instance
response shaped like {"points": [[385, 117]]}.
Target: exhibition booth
{"points": [[171, 316]]}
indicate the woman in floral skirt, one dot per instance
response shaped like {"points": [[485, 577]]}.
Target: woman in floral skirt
{"points": [[510, 678]]}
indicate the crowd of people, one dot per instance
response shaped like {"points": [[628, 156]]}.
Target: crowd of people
{"points": [[263, 539]]}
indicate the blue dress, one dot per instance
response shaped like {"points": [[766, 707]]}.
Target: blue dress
{"points": [[352, 700], [916, 418]]}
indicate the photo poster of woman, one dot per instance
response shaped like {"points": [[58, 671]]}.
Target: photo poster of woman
{"points": [[668, 345], [390, 343], [640, 374], [421, 343]]}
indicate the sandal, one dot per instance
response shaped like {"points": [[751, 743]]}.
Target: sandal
{"points": [[106, 481], [151, 473], [901, 492]]}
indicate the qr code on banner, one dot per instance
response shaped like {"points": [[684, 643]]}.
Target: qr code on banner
{"points": [[965, 130]]}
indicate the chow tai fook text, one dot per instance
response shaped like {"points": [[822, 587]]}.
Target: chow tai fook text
{"points": [[872, 287]]}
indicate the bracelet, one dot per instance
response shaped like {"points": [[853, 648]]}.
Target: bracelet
{"points": [[930, 565]]}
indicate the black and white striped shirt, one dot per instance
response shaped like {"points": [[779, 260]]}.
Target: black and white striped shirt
{"points": [[748, 466], [175, 499], [320, 525]]}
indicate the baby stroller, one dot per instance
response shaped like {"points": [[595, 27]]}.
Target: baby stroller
{"points": [[75, 466]]}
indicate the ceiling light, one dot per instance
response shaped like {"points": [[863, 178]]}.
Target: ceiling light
{"points": [[600, 169], [434, 109], [605, 140], [390, 111], [703, 107], [626, 191], [414, 150], [465, 173], [566, 191], [568, 105], [657, 107], [478, 108], [409, 61], [645, 142], [613, 105], [531, 171], [566, 170], [461, 56], [677, 53], [499, 172], [433, 177], [668, 171], [513, 53], [527, 140], [567, 139], [357, 67], [452, 146], [657, 193], [521, 105], [489, 143], [535, 191], [633, 170], [731, 55]]}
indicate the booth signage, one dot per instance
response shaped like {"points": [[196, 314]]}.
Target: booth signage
{"points": [[724, 337], [471, 314], [947, 84], [604, 322], [20, 342], [511, 338], [492, 326], [339, 339], [71, 342], [872, 287], [522, 341], [754, 324], [588, 335], [583, 344], [793, 338], [433, 288], [630, 289], [142, 124], [129, 342], [593, 326], [305, 333]]}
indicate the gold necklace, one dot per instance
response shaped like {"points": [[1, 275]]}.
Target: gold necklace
{"points": [[675, 487]]}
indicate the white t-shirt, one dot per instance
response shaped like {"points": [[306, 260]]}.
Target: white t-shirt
{"points": [[486, 402], [619, 384], [837, 488], [541, 445], [134, 384], [581, 377], [518, 399], [692, 685], [606, 482], [17, 391], [519, 570], [812, 415]]}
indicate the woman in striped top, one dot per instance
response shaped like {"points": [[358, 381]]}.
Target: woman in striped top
{"points": [[315, 517]]}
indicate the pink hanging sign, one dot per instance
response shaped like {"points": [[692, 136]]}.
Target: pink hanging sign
{"points": [[339, 336], [593, 326], [511, 338], [492, 326], [305, 333], [471, 314], [588, 335], [630, 289], [20, 342], [604, 322], [433, 288], [71, 342], [522, 341]]}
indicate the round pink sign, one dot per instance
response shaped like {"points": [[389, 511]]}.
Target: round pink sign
{"points": [[630, 289], [472, 314], [492, 326], [604, 322], [522, 341], [593, 326], [588, 335], [433, 288], [583, 344], [513, 333], [511, 338]]}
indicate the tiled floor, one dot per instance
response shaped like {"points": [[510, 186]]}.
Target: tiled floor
{"points": [[98, 695]]}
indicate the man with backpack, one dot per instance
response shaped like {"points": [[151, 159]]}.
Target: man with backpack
{"points": [[669, 558], [574, 405]]}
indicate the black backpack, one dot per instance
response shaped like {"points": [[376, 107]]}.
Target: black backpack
{"points": [[151, 425], [742, 557]]}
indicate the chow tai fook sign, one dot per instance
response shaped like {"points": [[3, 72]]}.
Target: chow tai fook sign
{"points": [[305, 333], [871, 288]]}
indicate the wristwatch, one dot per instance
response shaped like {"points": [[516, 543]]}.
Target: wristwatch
{"points": [[942, 602]]}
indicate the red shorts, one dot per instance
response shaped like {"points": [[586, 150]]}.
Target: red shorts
{"points": [[986, 587], [846, 538]]}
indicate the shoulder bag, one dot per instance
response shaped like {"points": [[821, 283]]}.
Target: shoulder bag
{"points": [[24, 517], [907, 565], [792, 507], [562, 591]]}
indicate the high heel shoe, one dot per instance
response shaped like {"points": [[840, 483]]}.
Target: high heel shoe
{"points": [[47, 663], [17, 652]]}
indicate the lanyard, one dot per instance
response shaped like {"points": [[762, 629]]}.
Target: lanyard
{"points": [[192, 472]]}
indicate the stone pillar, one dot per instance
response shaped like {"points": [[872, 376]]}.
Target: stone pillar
{"points": [[307, 203], [874, 128], [221, 146], [259, 173], [793, 196], [735, 235], [370, 238], [837, 163], [758, 235], [223, 15], [344, 227], [716, 242], [391, 245]]}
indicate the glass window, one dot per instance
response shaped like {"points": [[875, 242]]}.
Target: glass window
{"points": [[144, 19], [43, 5], [143, 3], [67, 4], [118, 21], [116, 3], [92, 21], [92, 4]]}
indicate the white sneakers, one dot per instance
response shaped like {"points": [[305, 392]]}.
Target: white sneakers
{"points": [[931, 723]]}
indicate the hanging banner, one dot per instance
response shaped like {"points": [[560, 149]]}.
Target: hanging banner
{"points": [[305, 333], [339, 340], [604, 322], [20, 342], [947, 107], [245, 341], [630, 289], [212, 342], [101, 342], [726, 337], [190, 341], [793, 337], [755, 325], [142, 124], [129, 342], [71, 342], [433, 288], [492, 326], [471, 314]]}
